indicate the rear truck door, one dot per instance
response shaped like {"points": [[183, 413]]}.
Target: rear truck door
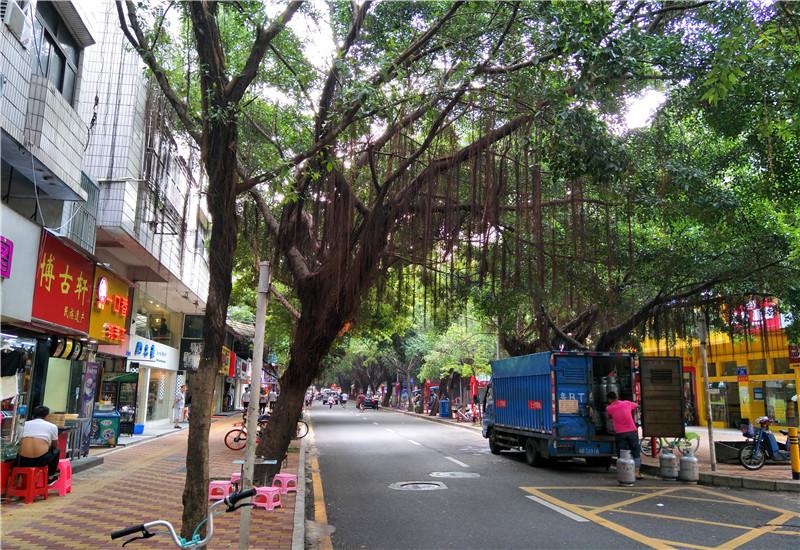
{"points": [[572, 382], [661, 396]]}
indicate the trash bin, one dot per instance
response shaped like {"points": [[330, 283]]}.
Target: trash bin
{"points": [[444, 408]]}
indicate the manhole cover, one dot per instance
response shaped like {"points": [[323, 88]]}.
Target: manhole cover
{"points": [[455, 474], [418, 486]]}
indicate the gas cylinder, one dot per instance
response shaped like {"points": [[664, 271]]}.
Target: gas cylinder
{"points": [[668, 464], [612, 385], [690, 468], [626, 468]]}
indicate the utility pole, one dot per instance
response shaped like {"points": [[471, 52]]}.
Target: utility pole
{"points": [[702, 329], [264, 282]]}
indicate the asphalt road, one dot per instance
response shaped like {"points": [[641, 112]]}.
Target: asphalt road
{"points": [[379, 473]]}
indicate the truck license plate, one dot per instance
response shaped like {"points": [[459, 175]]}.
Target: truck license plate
{"points": [[588, 450]]}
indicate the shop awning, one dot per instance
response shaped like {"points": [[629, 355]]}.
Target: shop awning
{"points": [[127, 377]]}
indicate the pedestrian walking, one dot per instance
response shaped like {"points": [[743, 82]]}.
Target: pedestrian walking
{"points": [[272, 398], [187, 406], [360, 401], [626, 433], [246, 400], [262, 401], [177, 405]]}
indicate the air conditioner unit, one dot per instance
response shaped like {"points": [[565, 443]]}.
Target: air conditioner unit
{"points": [[16, 19]]}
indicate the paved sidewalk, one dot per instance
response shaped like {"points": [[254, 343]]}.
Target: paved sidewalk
{"points": [[770, 477], [140, 483]]}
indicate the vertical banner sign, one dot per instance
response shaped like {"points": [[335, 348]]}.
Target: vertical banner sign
{"points": [[794, 354], [6, 256], [62, 292], [741, 374], [88, 390]]}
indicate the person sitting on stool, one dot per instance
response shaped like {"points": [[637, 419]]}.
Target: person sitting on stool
{"points": [[39, 445]]}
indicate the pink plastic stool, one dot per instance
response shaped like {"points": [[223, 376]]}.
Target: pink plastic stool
{"points": [[285, 482], [268, 498], [217, 490], [28, 483], [64, 483], [236, 477]]}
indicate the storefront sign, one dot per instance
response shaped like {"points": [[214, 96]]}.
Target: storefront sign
{"points": [[741, 374], [6, 256], [110, 305], [225, 361], [68, 348], [20, 271], [63, 285], [794, 355], [149, 353], [758, 394]]}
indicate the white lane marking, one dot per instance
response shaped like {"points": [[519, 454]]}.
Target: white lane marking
{"points": [[389, 430], [454, 461], [415, 443], [555, 508]]}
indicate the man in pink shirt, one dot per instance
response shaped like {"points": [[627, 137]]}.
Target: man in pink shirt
{"points": [[625, 431]]}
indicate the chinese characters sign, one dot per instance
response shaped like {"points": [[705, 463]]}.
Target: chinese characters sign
{"points": [[110, 304], [63, 285], [6, 255]]}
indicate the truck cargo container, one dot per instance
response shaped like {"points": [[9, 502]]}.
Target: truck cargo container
{"points": [[552, 404]]}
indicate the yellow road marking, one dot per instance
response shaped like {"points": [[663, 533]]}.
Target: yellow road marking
{"points": [[794, 533], [634, 500], [683, 544], [751, 503], [755, 533], [592, 516], [320, 513], [678, 518]]}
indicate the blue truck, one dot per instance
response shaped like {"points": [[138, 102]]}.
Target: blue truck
{"points": [[552, 404]]}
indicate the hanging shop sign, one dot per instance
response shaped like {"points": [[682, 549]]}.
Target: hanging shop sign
{"points": [[794, 354], [225, 361], [741, 374], [68, 348], [149, 353], [110, 307], [63, 285], [19, 240]]}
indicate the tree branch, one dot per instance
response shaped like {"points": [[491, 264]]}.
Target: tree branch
{"points": [[139, 43], [284, 302], [238, 85], [297, 263]]}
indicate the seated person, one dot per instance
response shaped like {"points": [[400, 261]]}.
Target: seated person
{"points": [[39, 445]]}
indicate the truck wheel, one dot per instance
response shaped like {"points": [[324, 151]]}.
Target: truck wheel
{"points": [[532, 456], [494, 448]]}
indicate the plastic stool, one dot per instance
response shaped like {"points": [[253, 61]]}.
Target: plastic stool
{"points": [[64, 483], [236, 477], [268, 498], [285, 482], [28, 483], [217, 490]]}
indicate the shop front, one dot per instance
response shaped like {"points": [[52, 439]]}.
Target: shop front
{"points": [[157, 367]]}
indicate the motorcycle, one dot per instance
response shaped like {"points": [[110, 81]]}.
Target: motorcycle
{"points": [[762, 446]]}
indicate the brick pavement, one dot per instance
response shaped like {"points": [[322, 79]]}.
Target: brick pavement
{"points": [[138, 484]]}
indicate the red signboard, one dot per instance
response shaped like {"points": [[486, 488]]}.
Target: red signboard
{"points": [[535, 405], [794, 354], [63, 287]]}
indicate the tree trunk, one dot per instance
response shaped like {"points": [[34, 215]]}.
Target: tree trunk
{"points": [[219, 159]]}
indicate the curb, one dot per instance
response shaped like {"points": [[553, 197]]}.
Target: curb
{"points": [[706, 478], [86, 462], [299, 529]]}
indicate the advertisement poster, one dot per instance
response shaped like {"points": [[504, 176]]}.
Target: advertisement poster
{"points": [[88, 390]]}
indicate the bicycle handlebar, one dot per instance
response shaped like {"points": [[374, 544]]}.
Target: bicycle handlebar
{"points": [[231, 500], [127, 531]]}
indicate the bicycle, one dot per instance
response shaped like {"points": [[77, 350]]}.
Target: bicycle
{"points": [[688, 443], [195, 542], [236, 439]]}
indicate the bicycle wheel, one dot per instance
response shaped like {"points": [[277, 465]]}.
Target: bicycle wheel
{"points": [[646, 447], [689, 443], [236, 439], [751, 458], [302, 429]]}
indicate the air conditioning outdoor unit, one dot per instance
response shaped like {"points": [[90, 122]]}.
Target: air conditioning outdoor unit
{"points": [[16, 19]]}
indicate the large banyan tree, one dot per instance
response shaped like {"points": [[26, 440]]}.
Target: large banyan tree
{"points": [[463, 144]]}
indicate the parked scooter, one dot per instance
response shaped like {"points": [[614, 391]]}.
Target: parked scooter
{"points": [[762, 446]]}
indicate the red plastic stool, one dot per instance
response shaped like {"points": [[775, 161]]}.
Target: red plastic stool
{"points": [[64, 483], [28, 483], [268, 498], [285, 482]]}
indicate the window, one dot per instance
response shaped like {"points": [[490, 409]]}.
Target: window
{"points": [[55, 51], [729, 368], [200, 240], [779, 401], [781, 365], [757, 366]]}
